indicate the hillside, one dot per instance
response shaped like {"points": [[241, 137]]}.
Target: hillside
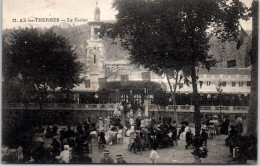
{"points": [[78, 36]]}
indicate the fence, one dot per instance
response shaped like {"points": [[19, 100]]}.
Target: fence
{"points": [[110, 107]]}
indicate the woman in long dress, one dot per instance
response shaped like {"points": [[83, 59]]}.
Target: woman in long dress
{"points": [[100, 123], [183, 134]]}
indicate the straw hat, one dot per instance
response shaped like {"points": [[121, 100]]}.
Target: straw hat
{"points": [[106, 151], [39, 139], [118, 156], [66, 147], [47, 146]]}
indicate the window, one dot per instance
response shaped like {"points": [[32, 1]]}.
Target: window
{"points": [[233, 84], [124, 98], [224, 83], [231, 63], [208, 83], [137, 97], [137, 101], [87, 83], [180, 85], [201, 83], [240, 84], [248, 83]]}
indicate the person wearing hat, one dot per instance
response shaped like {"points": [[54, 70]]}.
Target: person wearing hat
{"points": [[50, 159], [154, 156], [120, 159], [100, 123], [189, 140], [62, 134], [225, 125], [138, 123], [65, 155], [48, 132], [232, 139], [106, 159], [197, 145], [69, 133], [173, 129], [239, 125], [181, 130], [39, 153], [102, 136], [55, 147], [204, 135]]}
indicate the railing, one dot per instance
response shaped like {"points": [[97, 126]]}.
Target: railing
{"points": [[110, 107], [62, 106]]}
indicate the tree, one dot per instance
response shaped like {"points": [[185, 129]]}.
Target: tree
{"points": [[252, 112], [39, 61], [173, 35], [103, 95], [161, 98], [175, 75]]}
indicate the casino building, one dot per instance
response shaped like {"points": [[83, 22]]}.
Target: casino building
{"points": [[108, 82], [127, 83]]}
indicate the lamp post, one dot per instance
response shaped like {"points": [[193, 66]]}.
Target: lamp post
{"points": [[219, 89]]}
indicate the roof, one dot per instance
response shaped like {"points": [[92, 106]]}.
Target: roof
{"points": [[133, 85], [226, 71]]}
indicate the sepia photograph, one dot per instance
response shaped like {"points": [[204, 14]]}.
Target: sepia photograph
{"points": [[129, 82]]}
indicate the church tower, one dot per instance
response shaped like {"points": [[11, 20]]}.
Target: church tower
{"points": [[96, 51], [97, 13]]}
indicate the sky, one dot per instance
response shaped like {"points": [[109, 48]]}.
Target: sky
{"points": [[63, 9]]}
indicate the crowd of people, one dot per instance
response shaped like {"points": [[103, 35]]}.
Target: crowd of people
{"points": [[72, 144], [148, 132], [242, 147]]}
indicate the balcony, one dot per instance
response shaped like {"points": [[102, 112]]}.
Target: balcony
{"points": [[61, 106], [110, 107]]}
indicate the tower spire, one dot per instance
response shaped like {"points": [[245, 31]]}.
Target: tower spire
{"points": [[97, 12]]}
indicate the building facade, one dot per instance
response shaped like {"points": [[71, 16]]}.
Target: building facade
{"points": [[108, 82]]}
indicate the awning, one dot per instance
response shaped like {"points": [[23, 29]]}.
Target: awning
{"points": [[134, 85]]}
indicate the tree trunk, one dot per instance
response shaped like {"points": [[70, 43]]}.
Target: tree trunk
{"points": [[174, 99], [252, 115], [195, 101], [173, 96]]}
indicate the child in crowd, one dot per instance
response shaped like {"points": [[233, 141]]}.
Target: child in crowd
{"points": [[65, 155], [154, 156]]}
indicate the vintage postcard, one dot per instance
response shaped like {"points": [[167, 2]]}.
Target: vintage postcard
{"points": [[129, 82]]}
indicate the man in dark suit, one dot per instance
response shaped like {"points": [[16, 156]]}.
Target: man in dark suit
{"points": [[106, 159]]}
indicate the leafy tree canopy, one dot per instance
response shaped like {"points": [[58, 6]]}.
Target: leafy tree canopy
{"points": [[173, 35], [170, 34], [40, 60]]}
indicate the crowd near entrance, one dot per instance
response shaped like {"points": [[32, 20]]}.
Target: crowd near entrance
{"points": [[74, 141]]}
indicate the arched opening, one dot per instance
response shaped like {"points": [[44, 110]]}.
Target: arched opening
{"points": [[95, 60]]}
